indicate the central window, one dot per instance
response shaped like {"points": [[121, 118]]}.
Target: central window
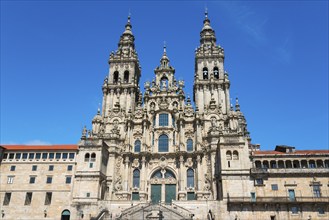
{"points": [[163, 143], [163, 120]]}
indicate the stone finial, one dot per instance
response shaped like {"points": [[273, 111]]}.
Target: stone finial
{"points": [[237, 105]]}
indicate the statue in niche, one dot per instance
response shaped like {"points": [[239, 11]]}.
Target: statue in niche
{"points": [[207, 182], [118, 183], [233, 123]]}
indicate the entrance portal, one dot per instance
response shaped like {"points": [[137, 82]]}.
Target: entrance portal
{"points": [[65, 215], [163, 187]]}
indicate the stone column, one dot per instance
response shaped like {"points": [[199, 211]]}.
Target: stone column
{"points": [[143, 174], [181, 175], [126, 176], [199, 173], [227, 94]]}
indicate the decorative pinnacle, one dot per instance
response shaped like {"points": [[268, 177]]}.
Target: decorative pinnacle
{"points": [[164, 47], [99, 109], [206, 12]]}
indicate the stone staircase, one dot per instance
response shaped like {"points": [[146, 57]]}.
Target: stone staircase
{"points": [[160, 211]]}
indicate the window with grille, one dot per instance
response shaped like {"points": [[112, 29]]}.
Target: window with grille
{"points": [[189, 145], [316, 191], [137, 146], [163, 120], [163, 143], [136, 178], [274, 187], [6, 200], [28, 198], [190, 178], [48, 198]]}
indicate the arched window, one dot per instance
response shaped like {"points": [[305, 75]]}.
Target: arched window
{"points": [[157, 174], [126, 76], [87, 156], [189, 145], [205, 73], [93, 157], [190, 178], [137, 146], [235, 155], [169, 174], [216, 72], [228, 155], [115, 77], [65, 215], [163, 143], [136, 178]]}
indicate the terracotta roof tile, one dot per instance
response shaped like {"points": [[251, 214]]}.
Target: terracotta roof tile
{"points": [[41, 147]]}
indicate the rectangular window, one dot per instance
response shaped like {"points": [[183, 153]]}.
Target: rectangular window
{"points": [[294, 210], [71, 155], [51, 155], [58, 156], [91, 165], [37, 155], [88, 194], [49, 179], [253, 196], [316, 191], [274, 187], [34, 168], [48, 198], [11, 156], [259, 181], [12, 168], [10, 180], [6, 200], [5, 156], [44, 155], [24, 155], [32, 179], [18, 156], [31, 156], [64, 156], [28, 198], [163, 120], [321, 211], [190, 196], [51, 167], [69, 168], [135, 196], [68, 179]]}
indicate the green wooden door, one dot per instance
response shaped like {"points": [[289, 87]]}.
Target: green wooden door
{"points": [[155, 193], [170, 193]]}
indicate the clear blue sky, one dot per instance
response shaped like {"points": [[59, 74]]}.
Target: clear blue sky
{"points": [[54, 59]]}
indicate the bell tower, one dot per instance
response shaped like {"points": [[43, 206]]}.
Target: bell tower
{"points": [[121, 87], [211, 84]]}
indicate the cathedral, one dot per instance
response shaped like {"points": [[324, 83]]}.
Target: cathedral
{"points": [[161, 155]]}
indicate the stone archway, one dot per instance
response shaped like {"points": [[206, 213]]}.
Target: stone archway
{"points": [[163, 186], [65, 215]]}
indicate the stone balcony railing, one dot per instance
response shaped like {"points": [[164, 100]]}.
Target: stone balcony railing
{"points": [[283, 171], [279, 199]]}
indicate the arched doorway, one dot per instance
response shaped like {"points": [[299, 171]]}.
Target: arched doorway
{"points": [[65, 215], [163, 186]]}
